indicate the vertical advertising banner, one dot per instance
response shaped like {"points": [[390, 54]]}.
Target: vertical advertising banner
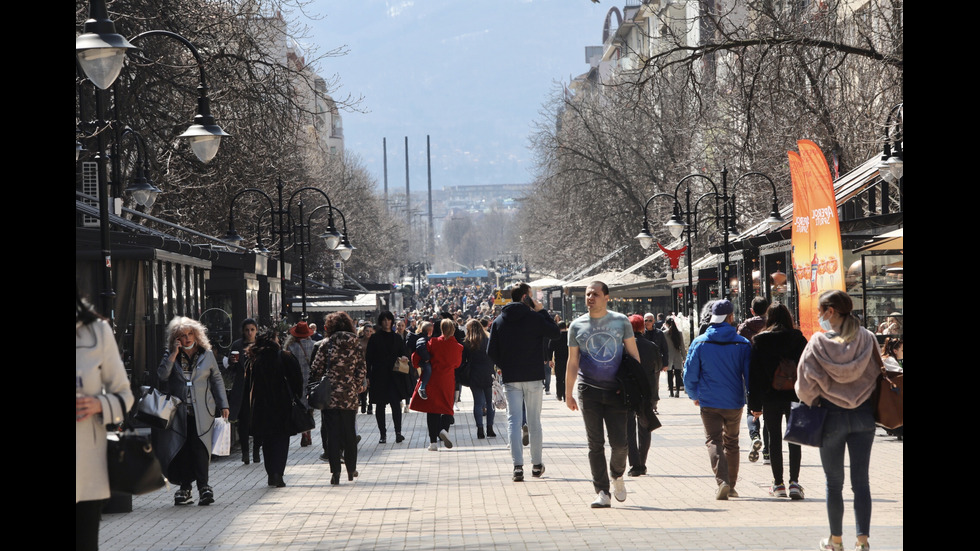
{"points": [[801, 244], [817, 252]]}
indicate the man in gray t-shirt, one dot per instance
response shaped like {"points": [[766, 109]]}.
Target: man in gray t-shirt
{"points": [[596, 342]]}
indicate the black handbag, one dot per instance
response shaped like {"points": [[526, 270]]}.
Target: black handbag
{"points": [[133, 467], [805, 425], [300, 417], [318, 392]]}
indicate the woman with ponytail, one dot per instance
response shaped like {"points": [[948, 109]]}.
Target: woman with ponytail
{"points": [[839, 368]]}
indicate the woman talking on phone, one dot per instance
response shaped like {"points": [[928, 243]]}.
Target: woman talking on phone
{"points": [[190, 372]]}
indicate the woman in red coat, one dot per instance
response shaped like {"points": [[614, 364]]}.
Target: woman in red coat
{"points": [[445, 354]]}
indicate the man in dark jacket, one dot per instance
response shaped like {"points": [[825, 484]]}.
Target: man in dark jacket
{"points": [[515, 346], [638, 440]]}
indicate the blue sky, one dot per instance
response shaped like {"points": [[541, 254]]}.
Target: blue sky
{"points": [[473, 74]]}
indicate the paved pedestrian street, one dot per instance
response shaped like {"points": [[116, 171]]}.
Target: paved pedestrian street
{"points": [[409, 498]]}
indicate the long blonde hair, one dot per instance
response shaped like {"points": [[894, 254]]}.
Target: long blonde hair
{"points": [[180, 323]]}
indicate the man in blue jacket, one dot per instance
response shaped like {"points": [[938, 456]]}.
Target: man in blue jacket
{"points": [[716, 374], [516, 338]]}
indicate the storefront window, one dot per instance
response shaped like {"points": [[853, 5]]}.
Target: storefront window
{"points": [[884, 305]]}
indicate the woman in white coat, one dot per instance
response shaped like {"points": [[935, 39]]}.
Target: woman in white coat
{"points": [[102, 396], [190, 372]]}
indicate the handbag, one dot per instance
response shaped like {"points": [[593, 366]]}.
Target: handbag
{"points": [[156, 409], [318, 392], [300, 415], [133, 467], [805, 425], [889, 397], [221, 437], [401, 366]]}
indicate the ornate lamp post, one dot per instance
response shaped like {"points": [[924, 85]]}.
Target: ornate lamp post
{"points": [[101, 53], [685, 219], [284, 229]]}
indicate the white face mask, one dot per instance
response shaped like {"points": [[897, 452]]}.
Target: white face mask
{"points": [[189, 348], [825, 324]]}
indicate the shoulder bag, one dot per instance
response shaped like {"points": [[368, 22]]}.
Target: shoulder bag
{"points": [[319, 391], [805, 425], [156, 409]]}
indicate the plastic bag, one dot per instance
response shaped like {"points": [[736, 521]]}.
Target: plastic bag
{"points": [[499, 401], [221, 437]]}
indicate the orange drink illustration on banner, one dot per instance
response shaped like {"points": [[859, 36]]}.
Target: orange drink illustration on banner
{"points": [[817, 252]]}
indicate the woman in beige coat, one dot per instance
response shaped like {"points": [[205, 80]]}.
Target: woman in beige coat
{"points": [[102, 396]]}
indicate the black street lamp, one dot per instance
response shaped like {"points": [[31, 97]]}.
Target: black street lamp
{"points": [[891, 167], [685, 219], [101, 54], [296, 233]]}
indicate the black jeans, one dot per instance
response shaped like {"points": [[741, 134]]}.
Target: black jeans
{"points": [[340, 425], [773, 414], [600, 407]]}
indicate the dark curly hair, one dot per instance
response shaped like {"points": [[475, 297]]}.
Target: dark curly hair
{"points": [[338, 321]]}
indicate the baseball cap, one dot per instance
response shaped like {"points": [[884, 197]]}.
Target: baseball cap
{"points": [[720, 310]]}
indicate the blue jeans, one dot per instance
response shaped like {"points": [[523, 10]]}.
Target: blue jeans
{"points": [[482, 398], [527, 394], [855, 429]]}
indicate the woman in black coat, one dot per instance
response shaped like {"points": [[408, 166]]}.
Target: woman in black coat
{"points": [[480, 381], [237, 360], [779, 343], [274, 379], [387, 387]]}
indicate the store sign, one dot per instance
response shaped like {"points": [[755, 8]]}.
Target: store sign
{"points": [[817, 251]]}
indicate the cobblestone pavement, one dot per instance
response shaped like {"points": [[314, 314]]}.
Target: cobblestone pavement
{"points": [[409, 498]]}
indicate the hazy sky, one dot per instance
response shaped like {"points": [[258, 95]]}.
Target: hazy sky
{"points": [[473, 74]]}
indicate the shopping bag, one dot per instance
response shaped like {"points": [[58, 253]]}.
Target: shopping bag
{"points": [[221, 437], [499, 401]]}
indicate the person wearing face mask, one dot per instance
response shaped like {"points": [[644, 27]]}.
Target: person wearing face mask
{"points": [[190, 372], [838, 371]]}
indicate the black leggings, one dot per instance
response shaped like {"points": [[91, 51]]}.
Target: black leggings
{"points": [[438, 422], [671, 375]]}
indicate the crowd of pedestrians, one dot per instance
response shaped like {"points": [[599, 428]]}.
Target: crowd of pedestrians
{"points": [[606, 364]]}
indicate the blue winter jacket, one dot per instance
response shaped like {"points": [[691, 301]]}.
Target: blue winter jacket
{"points": [[716, 371]]}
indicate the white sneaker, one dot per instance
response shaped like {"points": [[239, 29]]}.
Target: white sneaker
{"points": [[619, 489], [433, 447], [445, 438], [602, 501]]}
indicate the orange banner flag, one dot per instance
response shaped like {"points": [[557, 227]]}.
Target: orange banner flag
{"points": [[821, 254]]}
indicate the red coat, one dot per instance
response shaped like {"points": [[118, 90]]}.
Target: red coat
{"points": [[447, 354]]}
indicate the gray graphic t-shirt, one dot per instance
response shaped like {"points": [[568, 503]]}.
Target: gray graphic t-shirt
{"points": [[600, 344]]}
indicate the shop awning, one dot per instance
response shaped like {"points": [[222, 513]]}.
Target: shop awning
{"points": [[891, 241]]}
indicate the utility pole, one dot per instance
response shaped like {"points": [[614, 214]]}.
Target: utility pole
{"points": [[384, 149], [428, 154], [408, 195]]}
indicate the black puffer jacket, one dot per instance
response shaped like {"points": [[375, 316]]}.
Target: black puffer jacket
{"points": [[767, 349]]}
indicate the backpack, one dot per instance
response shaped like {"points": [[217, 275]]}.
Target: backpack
{"points": [[784, 378]]}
